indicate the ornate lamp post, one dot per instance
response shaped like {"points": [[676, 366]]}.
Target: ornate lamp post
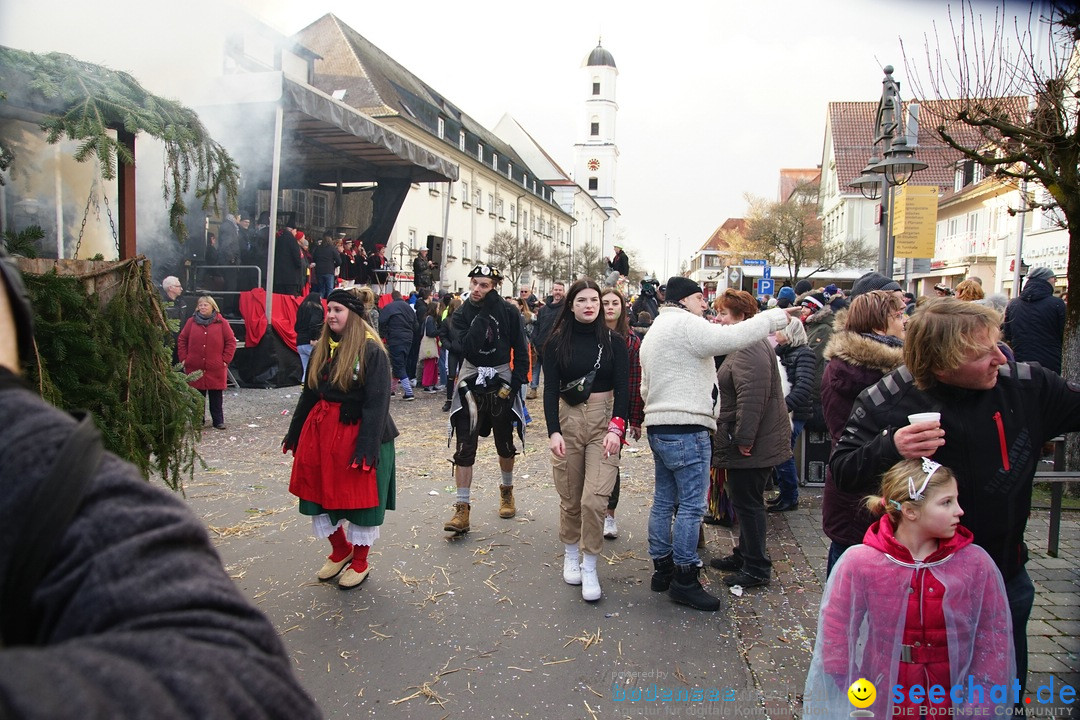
{"points": [[897, 167]]}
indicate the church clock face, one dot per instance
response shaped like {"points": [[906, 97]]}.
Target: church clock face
{"points": [[594, 164]]}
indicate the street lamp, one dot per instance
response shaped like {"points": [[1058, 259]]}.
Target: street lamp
{"points": [[896, 167]]}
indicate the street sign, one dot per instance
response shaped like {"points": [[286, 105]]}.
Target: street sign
{"points": [[753, 262], [765, 286], [734, 278], [767, 272]]}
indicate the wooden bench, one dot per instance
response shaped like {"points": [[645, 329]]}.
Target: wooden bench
{"points": [[1057, 477]]}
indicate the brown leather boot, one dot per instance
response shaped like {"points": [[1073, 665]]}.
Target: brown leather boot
{"points": [[460, 522], [506, 501]]}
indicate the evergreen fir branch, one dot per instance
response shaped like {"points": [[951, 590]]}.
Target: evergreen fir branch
{"points": [[96, 100]]}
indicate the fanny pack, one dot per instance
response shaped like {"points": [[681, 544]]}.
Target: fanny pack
{"points": [[578, 391]]}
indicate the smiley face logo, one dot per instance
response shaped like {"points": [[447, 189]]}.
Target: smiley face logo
{"points": [[862, 693]]}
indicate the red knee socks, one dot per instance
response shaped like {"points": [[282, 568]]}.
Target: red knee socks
{"points": [[341, 546], [359, 559]]}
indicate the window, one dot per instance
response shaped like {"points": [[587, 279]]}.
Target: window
{"points": [[596, 87], [594, 184], [480, 152], [301, 207], [318, 210], [433, 188], [442, 129], [495, 161], [510, 170], [476, 251], [594, 129], [491, 203], [499, 207], [464, 250], [478, 198], [464, 193], [461, 140], [513, 213], [412, 238]]}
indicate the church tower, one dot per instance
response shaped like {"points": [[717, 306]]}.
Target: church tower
{"points": [[596, 157]]}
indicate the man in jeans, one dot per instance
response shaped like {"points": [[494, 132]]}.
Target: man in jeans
{"points": [[678, 385]]}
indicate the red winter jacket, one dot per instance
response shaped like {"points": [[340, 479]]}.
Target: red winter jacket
{"points": [[209, 348]]}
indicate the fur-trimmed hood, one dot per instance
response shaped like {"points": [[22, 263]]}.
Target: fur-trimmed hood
{"points": [[854, 349]]}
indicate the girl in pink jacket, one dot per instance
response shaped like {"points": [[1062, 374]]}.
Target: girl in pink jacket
{"points": [[917, 605]]}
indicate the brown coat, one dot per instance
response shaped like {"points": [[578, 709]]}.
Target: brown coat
{"points": [[752, 410]]}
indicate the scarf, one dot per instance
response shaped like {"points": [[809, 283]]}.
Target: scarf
{"points": [[204, 321], [890, 340]]}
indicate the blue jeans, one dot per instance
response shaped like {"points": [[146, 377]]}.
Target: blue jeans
{"points": [[442, 367], [682, 478], [304, 351], [787, 476], [1020, 592], [326, 285]]}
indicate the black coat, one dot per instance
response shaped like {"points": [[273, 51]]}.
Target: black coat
{"points": [[545, 320], [799, 364], [309, 318], [993, 440], [489, 333], [1035, 325], [186, 643], [398, 324], [326, 258], [289, 268]]}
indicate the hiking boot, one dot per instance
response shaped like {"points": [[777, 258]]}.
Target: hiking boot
{"points": [[506, 501], [729, 563], [663, 571], [686, 590], [460, 522], [531, 394]]}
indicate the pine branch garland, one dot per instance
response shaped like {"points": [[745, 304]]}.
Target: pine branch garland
{"points": [[116, 363]]}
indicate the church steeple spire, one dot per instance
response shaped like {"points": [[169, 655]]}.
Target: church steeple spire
{"points": [[596, 156]]}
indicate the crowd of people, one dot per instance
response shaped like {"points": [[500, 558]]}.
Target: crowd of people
{"points": [[926, 562]]}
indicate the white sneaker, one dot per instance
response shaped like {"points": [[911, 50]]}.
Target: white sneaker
{"points": [[571, 570], [611, 529], [590, 585]]}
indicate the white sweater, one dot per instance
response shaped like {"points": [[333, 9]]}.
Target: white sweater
{"points": [[678, 376]]}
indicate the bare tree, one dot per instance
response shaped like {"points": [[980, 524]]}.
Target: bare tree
{"points": [[986, 70], [554, 266], [589, 263], [513, 256], [788, 234]]}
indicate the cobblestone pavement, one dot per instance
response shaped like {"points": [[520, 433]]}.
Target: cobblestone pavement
{"points": [[483, 626]]}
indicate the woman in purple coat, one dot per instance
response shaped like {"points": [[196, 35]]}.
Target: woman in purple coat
{"points": [[207, 343], [867, 343]]}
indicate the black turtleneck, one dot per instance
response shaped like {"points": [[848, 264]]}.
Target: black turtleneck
{"points": [[613, 374]]}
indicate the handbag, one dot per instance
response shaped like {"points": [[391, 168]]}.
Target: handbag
{"points": [[578, 391], [429, 348]]}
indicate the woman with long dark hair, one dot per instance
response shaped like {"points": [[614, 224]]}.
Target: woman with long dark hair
{"points": [[586, 405], [342, 438], [617, 317]]}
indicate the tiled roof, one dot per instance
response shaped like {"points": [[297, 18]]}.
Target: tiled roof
{"points": [[716, 241], [792, 177], [379, 86], [852, 125]]}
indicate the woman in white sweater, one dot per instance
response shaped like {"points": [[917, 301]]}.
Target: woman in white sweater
{"points": [[678, 385]]}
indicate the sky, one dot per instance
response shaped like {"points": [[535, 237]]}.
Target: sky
{"points": [[714, 97]]}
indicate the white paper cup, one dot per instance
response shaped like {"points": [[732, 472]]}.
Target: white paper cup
{"points": [[924, 417]]}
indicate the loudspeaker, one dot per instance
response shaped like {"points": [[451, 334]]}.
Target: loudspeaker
{"points": [[812, 456], [435, 249]]}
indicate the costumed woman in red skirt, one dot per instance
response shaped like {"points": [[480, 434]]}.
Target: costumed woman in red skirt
{"points": [[342, 438]]}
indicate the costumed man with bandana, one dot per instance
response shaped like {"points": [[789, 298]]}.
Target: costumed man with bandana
{"points": [[488, 335]]}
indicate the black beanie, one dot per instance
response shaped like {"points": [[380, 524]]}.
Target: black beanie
{"points": [[679, 287], [873, 281], [803, 286]]}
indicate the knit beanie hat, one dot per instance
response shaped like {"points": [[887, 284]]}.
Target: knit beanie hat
{"points": [[831, 290], [786, 293], [679, 287], [873, 281], [1041, 273], [814, 301], [803, 286]]}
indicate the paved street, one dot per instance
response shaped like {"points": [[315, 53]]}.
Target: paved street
{"points": [[483, 626]]}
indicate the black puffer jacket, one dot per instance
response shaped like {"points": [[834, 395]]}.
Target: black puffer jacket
{"points": [[398, 324], [799, 363], [751, 410], [1035, 325], [993, 439]]}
